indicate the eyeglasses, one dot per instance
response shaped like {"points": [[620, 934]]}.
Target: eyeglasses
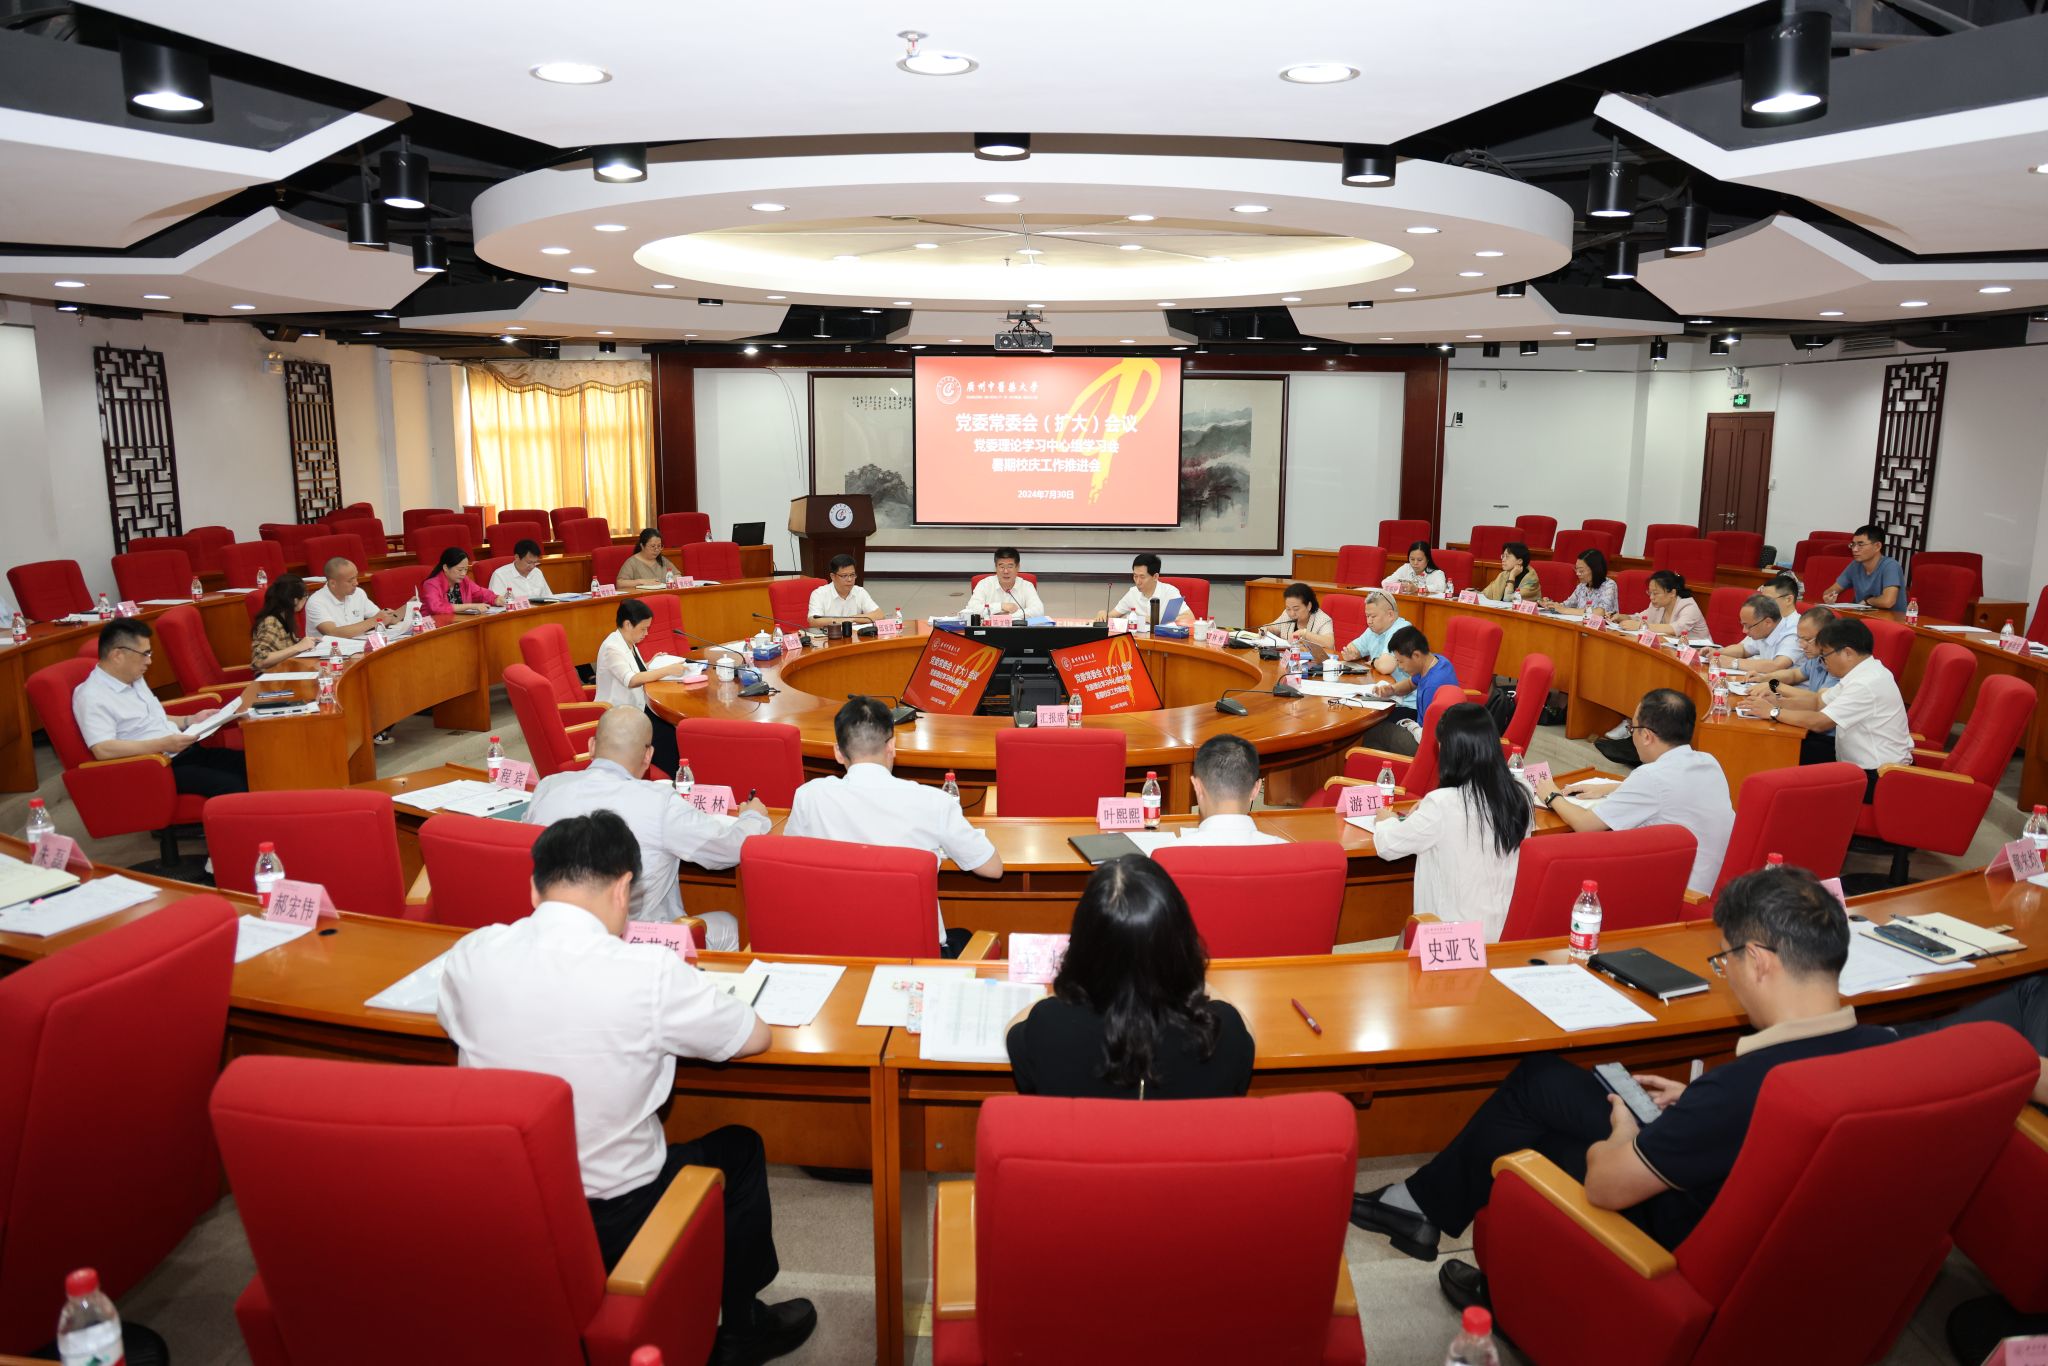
{"points": [[1720, 967], [1633, 727], [146, 654]]}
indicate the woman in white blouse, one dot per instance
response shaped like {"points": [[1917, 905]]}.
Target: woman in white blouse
{"points": [[622, 675], [1419, 575], [1303, 620], [1672, 609], [1467, 834]]}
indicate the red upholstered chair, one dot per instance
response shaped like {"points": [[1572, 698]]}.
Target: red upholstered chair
{"points": [[1618, 530], [1194, 592], [204, 544], [665, 631], [1558, 577], [561, 517], [1472, 644], [1937, 803], [1890, 643], [1794, 1261], [1944, 591], [1261, 900], [1487, 540], [555, 732], [606, 560], [1415, 775], [546, 651], [789, 600], [1457, 567], [291, 538], [1536, 529], [716, 560], [154, 574], [1570, 542], [342, 514], [1073, 1200], [2037, 625], [1932, 712], [479, 872], [79, 1188], [183, 637], [1660, 531], [680, 528], [1641, 875], [240, 561], [481, 1165], [45, 590], [746, 754], [2000, 1229], [585, 535], [369, 530], [472, 522], [391, 589], [1821, 573], [1532, 690], [114, 796], [1964, 559], [344, 839], [1363, 565], [1401, 533], [1803, 553], [149, 545], [883, 901], [426, 543], [412, 519], [1724, 613], [320, 549], [505, 536], [1691, 559], [1347, 616], [1632, 590], [1806, 813], [1843, 536], [1744, 548], [481, 570], [537, 516], [1058, 772]]}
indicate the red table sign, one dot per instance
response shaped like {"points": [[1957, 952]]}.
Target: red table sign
{"points": [[1449, 945], [1119, 813], [2013, 645], [1361, 800], [888, 628], [792, 641], [1003, 619], [1054, 716], [516, 603], [299, 903], [1216, 638], [127, 607], [677, 937], [2020, 858], [713, 799], [606, 590], [60, 852], [1526, 608], [516, 774], [951, 674]]}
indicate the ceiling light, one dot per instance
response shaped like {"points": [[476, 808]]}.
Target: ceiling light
{"points": [[607, 348], [871, 310], [1621, 260], [953, 341], [554, 251], [1290, 298], [926, 246], [1168, 303], [711, 303], [691, 335], [1125, 341], [668, 284], [604, 332], [1424, 230], [930, 61], [1447, 348], [508, 341], [384, 315], [1912, 303], [1359, 305], [1386, 338], [1131, 246], [1001, 198], [1660, 350], [583, 270], [429, 256], [1318, 73], [917, 346], [554, 287], [1489, 253], [1785, 70], [1368, 164], [73, 308], [1139, 218], [823, 333], [1686, 229], [1029, 251], [1255, 334], [1515, 290], [1562, 332], [402, 178], [156, 296], [1470, 274], [1474, 336], [1248, 208], [1180, 348], [371, 334], [1732, 337], [1717, 347], [1404, 289], [1308, 348], [750, 350], [1701, 322], [781, 346], [1831, 313], [1611, 188], [620, 163], [366, 225], [1528, 348], [900, 303], [165, 82], [765, 207], [1584, 344], [1809, 341], [608, 227], [569, 73], [243, 308], [846, 258], [1994, 289], [1002, 146], [69, 284], [515, 327]]}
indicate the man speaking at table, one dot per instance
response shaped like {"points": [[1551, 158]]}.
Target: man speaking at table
{"points": [[1005, 591]]}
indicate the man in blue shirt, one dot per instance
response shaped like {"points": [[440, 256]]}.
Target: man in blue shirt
{"points": [[1397, 732], [1382, 620], [1809, 675], [1770, 642], [1873, 578]]}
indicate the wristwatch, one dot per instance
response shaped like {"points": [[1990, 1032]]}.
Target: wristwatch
{"points": [[1774, 713], [1774, 687], [1551, 801]]}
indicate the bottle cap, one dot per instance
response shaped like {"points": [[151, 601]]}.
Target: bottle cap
{"points": [[494, 739], [1589, 885], [81, 1282], [1774, 859], [266, 848], [2039, 810], [36, 804], [950, 778], [1151, 774], [1477, 1321], [645, 1356]]}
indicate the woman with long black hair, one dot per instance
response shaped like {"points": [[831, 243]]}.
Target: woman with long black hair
{"points": [[1467, 833], [274, 635]]}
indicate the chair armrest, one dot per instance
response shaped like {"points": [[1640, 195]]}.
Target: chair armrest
{"points": [[1341, 781], [699, 932], [192, 703], [672, 1214], [953, 1252], [1928, 808], [1913, 771], [421, 893], [1693, 898], [988, 800], [1346, 1304], [1360, 762], [1417, 919], [1629, 1245], [1931, 755], [2033, 1126], [581, 713], [239, 673], [979, 947], [588, 728]]}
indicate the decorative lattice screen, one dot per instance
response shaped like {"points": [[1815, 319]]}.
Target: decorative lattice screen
{"points": [[316, 456], [1908, 438], [135, 435]]}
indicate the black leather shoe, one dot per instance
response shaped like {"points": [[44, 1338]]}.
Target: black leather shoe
{"points": [[777, 1330], [1409, 1233], [1619, 751], [1464, 1285]]}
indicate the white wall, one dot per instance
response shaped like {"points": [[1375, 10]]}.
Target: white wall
{"points": [[1514, 442]]}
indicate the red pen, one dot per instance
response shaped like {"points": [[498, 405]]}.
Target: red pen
{"points": [[1302, 1011]]}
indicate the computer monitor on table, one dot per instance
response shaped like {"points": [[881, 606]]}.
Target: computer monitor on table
{"points": [[749, 533]]}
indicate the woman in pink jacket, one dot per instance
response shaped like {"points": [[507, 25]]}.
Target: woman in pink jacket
{"points": [[451, 589]]}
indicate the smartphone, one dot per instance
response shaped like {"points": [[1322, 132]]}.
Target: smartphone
{"points": [[1616, 1079], [1914, 940]]}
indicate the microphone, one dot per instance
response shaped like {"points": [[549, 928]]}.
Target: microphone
{"points": [[1229, 706], [899, 715], [752, 684]]}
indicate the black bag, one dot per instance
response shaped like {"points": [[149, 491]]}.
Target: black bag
{"points": [[1500, 704], [1553, 710]]}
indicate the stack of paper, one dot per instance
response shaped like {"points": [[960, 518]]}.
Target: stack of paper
{"points": [[22, 881], [967, 1021], [1877, 966], [470, 796], [795, 992], [254, 935], [888, 1000], [417, 992], [1571, 997], [82, 905]]}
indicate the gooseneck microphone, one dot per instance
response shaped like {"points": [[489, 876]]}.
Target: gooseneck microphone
{"points": [[900, 714], [1230, 706], [757, 687]]}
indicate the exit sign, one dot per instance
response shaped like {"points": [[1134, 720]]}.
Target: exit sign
{"points": [[1740, 400]]}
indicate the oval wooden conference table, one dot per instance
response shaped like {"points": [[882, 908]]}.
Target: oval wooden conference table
{"points": [[1415, 1052]]}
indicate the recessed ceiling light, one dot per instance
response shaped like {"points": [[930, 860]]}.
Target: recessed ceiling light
{"points": [[926, 61], [1308, 348], [1475, 336], [750, 350], [917, 346], [1125, 341], [1831, 313], [1139, 218], [1404, 289], [664, 284], [871, 310], [1001, 198], [953, 341], [1130, 246], [156, 296], [1248, 208], [554, 287], [515, 327], [1386, 338], [765, 207], [1318, 73], [1002, 146], [1180, 348], [1029, 251], [602, 332], [1470, 274], [1034, 305], [583, 270], [69, 284], [926, 246], [619, 164], [1290, 298], [1561, 333], [1424, 230], [1701, 322], [846, 258], [689, 334], [554, 251], [243, 308], [1912, 303], [384, 315], [504, 340], [67, 308], [373, 334], [1489, 253], [569, 73], [781, 346], [899, 303], [1168, 303], [1995, 289]]}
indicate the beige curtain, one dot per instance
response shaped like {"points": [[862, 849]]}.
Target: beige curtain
{"points": [[555, 434]]}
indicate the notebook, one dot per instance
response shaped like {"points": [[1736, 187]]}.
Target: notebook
{"points": [[1100, 849], [1648, 973]]}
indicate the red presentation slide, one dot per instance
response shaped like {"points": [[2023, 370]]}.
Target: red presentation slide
{"points": [[1048, 440], [951, 674], [1109, 675]]}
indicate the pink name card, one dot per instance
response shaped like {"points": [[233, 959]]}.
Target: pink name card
{"points": [[516, 774], [517, 603], [1118, 626], [299, 903], [1119, 813], [60, 852], [1535, 773], [1003, 619], [713, 799], [887, 628], [606, 590], [1688, 656], [127, 607], [1526, 608], [1647, 637], [683, 581], [2027, 1351], [374, 640], [1445, 946], [1361, 800], [677, 937], [1036, 957], [1053, 716], [2013, 645], [1469, 595], [1216, 638], [792, 641], [2020, 857]]}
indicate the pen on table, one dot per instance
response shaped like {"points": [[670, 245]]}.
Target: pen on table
{"points": [[1302, 1011]]}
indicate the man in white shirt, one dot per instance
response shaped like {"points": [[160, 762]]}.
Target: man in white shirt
{"points": [[1863, 714], [340, 608], [1226, 782], [521, 578], [871, 805], [119, 717], [1147, 587], [1674, 785], [842, 599], [669, 829], [1005, 591], [1770, 641], [561, 992]]}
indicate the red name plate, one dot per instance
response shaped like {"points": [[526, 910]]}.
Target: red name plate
{"points": [[2013, 645], [373, 640], [1647, 637], [1526, 607], [1361, 800], [1036, 957], [1003, 619], [127, 607], [1216, 638], [792, 641], [606, 590], [516, 603], [713, 799], [1119, 813], [1535, 773], [1469, 595], [1688, 656], [1054, 715], [1448, 945], [2020, 857], [516, 774], [299, 903], [60, 851], [677, 937]]}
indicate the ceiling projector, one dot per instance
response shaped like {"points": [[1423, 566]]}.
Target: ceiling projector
{"points": [[1024, 334]]}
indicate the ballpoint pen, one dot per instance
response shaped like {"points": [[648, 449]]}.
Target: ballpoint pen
{"points": [[1302, 1011]]}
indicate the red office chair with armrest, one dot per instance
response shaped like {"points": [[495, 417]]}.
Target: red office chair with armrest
{"points": [[883, 900], [716, 560], [1347, 617], [392, 589], [481, 570], [681, 528], [1659, 531], [789, 601], [561, 517], [1486, 541], [367, 529], [1932, 713], [1970, 560], [1843, 536], [1806, 813], [350, 510], [204, 544], [1641, 874], [1414, 774], [46, 590], [1804, 551], [1890, 643], [240, 561], [665, 631], [150, 545], [1724, 613], [1741, 548], [1194, 593], [607, 560], [1361, 565], [534, 516], [345, 840], [1261, 900], [1632, 590], [291, 537], [766, 755], [506, 536], [1794, 1261], [1821, 573], [546, 651], [412, 519], [1538, 531], [1472, 644], [554, 730], [78, 1188], [1937, 803], [1570, 542], [2000, 1229], [1557, 577], [1457, 567], [1691, 559], [585, 535], [320, 549], [1944, 591], [1072, 1199], [193, 661], [473, 522], [479, 872], [1058, 772], [427, 542], [480, 1163], [1618, 530], [1401, 532], [1532, 690], [154, 574]]}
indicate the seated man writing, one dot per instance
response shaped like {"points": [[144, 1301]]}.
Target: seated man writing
{"points": [[119, 717]]}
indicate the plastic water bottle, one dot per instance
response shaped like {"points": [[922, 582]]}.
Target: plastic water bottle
{"points": [[1721, 701], [899, 617], [262, 580], [1585, 940], [89, 1328], [1472, 1347], [329, 674], [593, 585], [951, 787], [1774, 861], [494, 758], [106, 608], [1514, 758], [1386, 784], [2005, 631], [40, 824], [686, 781], [1912, 611], [20, 629], [269, 870], [1073, 708], [198, 589], [1150, 794], [2037, 826]]}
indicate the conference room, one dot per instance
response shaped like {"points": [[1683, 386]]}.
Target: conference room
{"points": [[662, 703]]}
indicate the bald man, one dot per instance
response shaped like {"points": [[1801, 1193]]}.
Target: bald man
{"points": [[669, 829]]}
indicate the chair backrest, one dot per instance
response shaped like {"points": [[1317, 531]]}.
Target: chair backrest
{"points": [[1618, 530], [2037, 625], [144, 545], [1724, 613], [1532, 690], [425, 543], [483, 1163], [1963, 559], [1641, 874], [1363, 565], [1804, 551], [1402, 532], [1932, 714], [1487, 540], [1194, 592], [1821, 573], [204, 544], [79, 1190], [1632, 589], [606, 560], [1571, 541], [1744, 548], [540, 722], [1457, 567], [1420, 778], [561, 517], [1659, 531], [1824, 1134], [1472, 644], [665, 631], [1073, 1200], [1890, 644], [1347, 616], [1944, 591], [367, 529], [789, 600], [1843, 536], [545, 649], [153, 574], [240, 561], [680, 528], [1807, 813], [344, 839], [50, 689], [1058, 772], [391, 589], [536, 516], [193, 662], [45, 590], [719, 560], [320, 549], [507, 535], [1691, 558], [1558, 577], [480, 871], [767, 755], [349, 510], [411, 519], [1261, 900], [883, 901], [585, 535], [1992, 733], [473, 522], [1536, 529], [481, 570]]}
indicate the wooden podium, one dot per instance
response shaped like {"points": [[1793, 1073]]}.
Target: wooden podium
{"points": [[828, 524]]}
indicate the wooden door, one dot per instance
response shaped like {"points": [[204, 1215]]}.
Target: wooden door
{"points": [[1735, 482]]}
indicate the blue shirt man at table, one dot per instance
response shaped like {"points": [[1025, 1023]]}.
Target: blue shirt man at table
{"points": [[1873, 578], [1382, 620], [1397, 732]]}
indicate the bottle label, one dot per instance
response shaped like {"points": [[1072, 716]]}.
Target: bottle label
{"points": [[97, 1345], [1585, 937]]}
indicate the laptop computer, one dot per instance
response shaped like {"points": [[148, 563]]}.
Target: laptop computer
{"points": [[749, 533]]}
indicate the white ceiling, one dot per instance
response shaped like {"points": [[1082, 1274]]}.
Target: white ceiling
{"points": [[584, 315], [1469, 320], [790, 68]]}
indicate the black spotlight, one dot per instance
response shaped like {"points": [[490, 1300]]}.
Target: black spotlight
{"points": [[1686, 230], [1660, 350], [607, 348], [1490, 350], [366, 225], [550, 350], [1528, 348], [711, 303], [1513, 291], [1717, 347], [1447, 348], [554, 286], [1368, 164], [619, 164], [1611, 189], [1785, 71], [402, 178], [1359, 305], [1002, 146], [1732, 337], [165, 82], [1809, 341], [1583, 344], [429, 255], [1621, 260]]}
